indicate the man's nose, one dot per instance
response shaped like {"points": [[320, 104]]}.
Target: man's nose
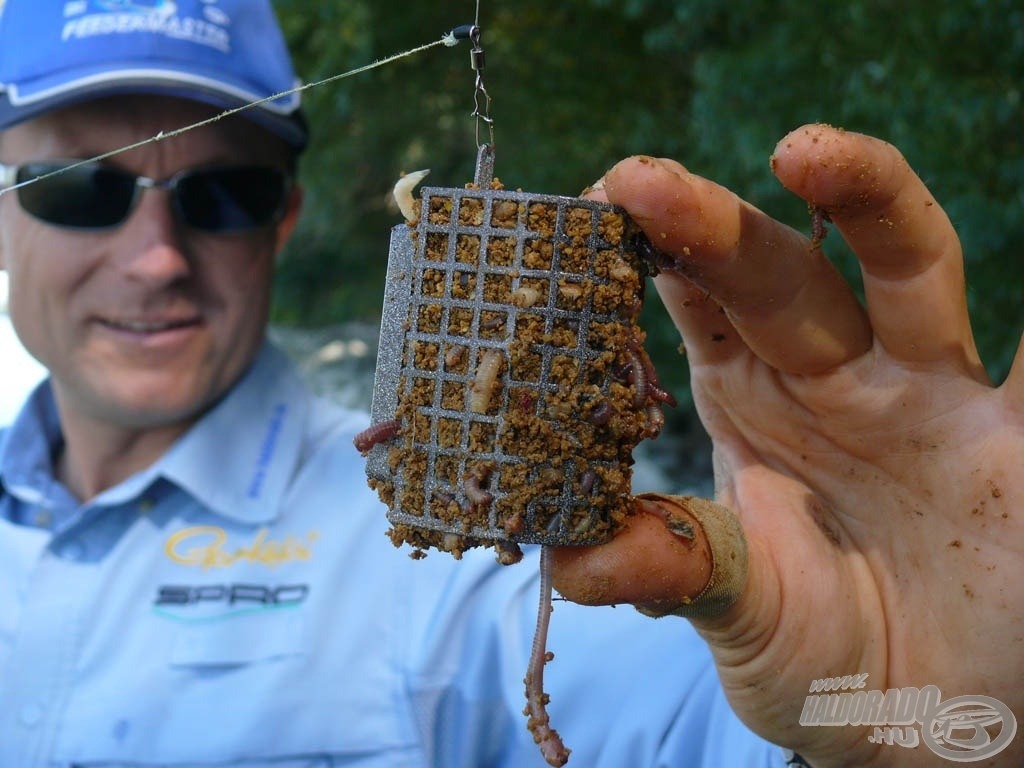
{"points": [[152, 237]]}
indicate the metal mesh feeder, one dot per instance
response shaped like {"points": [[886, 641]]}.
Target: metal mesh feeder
{"points": [[510, 387]]}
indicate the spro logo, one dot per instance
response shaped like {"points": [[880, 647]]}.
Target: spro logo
{"points": [[97, 18], [216, 602], [207, 547]]}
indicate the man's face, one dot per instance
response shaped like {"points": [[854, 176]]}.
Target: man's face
{"points": [[147, 324]]}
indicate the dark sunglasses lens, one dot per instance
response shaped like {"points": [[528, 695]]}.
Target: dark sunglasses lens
{"points": [[85, 197], [231, 199]]}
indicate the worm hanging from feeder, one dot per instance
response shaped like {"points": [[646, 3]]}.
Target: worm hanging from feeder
{"points": [[546, 737]]}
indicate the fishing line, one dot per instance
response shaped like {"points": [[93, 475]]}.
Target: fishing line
{"points": [[449, 39]]}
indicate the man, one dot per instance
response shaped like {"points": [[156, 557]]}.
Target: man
{"points": [[193, 571]]}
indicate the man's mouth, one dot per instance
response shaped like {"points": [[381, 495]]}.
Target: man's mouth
{"points": [[148, 326]]}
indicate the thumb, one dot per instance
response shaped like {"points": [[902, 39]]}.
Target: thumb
{"points": [[677, 554]]}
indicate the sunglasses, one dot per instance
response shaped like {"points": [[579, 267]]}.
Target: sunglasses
{"points": [[92, 196]]}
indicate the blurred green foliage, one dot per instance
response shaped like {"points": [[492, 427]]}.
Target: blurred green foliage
{"points": [[579, 84]]}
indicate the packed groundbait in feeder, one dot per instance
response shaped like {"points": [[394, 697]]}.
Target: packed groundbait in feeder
{"points": [[512, 384]]}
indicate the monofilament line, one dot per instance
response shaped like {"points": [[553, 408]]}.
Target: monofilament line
{"points": [[448, 39]]}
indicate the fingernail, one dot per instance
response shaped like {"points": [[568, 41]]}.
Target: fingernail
{"points": [[674, 521]]}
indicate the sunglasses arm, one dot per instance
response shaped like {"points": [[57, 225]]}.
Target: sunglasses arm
{"points": [[8, 174]]}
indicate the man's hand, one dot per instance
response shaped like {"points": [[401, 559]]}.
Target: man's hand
{"points": [[877, 474]]}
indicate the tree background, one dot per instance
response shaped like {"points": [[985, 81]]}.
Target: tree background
{"points": [[579, 84]]}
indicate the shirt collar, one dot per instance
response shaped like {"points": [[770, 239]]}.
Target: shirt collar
{"points": [[236, 460], [28, 448]]}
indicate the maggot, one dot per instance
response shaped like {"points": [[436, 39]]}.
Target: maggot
{"points": [[486, 380], [525, 296], [403, 194]]}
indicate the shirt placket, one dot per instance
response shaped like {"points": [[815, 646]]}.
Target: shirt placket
{"points": [[42, 666]]}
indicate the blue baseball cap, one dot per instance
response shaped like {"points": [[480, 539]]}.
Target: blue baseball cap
{"points": [[226, 53]]}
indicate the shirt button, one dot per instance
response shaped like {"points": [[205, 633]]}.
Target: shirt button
{"points": [[42, 519], [73, 550], [31, 715]]}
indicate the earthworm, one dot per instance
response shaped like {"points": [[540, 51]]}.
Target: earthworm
{"points": [[657, 259], [654, 390], [551, 745], [587, 480], [492, 323], [403, 193], [655, 420], [659, 395], [600, 414], [375, 434], [819, 217], [638, 375], [487, 371]]}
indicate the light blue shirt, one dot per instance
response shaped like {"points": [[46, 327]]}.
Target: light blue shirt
{"points": [[238, 604]]}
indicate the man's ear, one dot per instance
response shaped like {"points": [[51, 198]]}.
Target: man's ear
{"points": [[286, 225]]}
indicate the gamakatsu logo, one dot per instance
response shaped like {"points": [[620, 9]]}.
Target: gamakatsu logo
{"points": [[963, 729]]}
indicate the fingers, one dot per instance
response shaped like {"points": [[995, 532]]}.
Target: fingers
{"points": [[909, 251], [708, 332], [680, 555], [784, 299]]}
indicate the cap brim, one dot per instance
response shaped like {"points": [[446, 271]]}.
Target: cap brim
{"points": [[289, 126]]}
